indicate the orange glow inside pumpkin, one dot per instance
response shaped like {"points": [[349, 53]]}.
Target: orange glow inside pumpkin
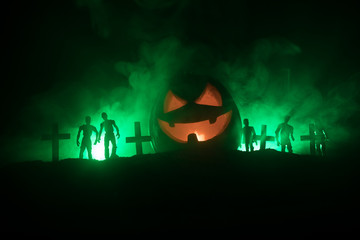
{"points": [[173, 102], [204, 130], [210, 96]]}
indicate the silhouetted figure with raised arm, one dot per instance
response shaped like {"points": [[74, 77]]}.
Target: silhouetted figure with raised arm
{"points": [[249, 136], [285, 131], [109, 125], [320, 138], [87, 130]]}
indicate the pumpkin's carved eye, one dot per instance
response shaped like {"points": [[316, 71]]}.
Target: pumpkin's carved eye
{"points": [[173, 102], [210, 96]]}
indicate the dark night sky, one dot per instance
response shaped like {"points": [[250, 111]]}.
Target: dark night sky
{"points": [[44, 37], [48, 41]]}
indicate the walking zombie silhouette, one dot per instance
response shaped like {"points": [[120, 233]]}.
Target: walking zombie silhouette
{"points": [[87, 130], [109, 125], [285, 131], [249, 136]]}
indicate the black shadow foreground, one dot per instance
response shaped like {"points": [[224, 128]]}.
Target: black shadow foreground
{"points": [[258, 193]]}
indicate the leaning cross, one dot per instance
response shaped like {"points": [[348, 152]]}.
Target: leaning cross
{"points": [[263, 138], [311, 138], [138, 139], [55, 137]]}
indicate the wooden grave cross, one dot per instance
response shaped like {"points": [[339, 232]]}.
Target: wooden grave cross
{"points": [[311, 137], [138, 139], [55, 137], [263, 138]]}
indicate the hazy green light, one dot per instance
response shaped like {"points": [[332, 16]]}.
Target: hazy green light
{"points": [[272, 118], [126, 127], [269, 145], [98, 150], [262, 95]]}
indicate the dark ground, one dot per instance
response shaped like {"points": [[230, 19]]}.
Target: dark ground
{"points": [[262, 193]]}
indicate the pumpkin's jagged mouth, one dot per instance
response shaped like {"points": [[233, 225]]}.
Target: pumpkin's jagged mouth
{"points": [[204, 130]]}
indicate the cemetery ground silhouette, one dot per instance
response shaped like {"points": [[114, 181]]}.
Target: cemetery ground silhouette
{"points": [[258, 193]]}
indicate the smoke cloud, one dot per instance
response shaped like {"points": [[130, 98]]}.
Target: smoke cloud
{"points": [[150, 43]]}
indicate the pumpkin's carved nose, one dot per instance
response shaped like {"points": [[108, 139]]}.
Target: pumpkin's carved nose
{"points": [[192, 138]]}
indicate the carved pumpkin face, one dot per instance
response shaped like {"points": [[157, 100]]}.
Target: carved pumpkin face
{"points": [[204, 110], [205, 129]]}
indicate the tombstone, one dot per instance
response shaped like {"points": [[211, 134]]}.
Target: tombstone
{"points": [[263, 138], [138, 139], [55, 137], [311, 138]]}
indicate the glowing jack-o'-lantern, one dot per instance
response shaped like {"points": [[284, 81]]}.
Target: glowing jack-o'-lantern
{"points": [[201, 108]]}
